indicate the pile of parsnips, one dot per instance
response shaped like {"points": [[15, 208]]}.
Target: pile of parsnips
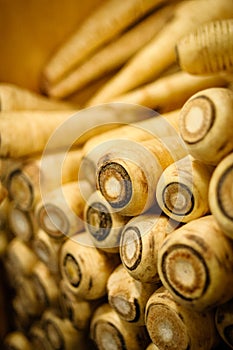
{"points": [[139, 249]]}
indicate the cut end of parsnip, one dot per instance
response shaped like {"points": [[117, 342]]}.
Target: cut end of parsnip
{"points": [[196, 119]]}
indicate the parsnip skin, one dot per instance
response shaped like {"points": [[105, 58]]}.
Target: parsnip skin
{"points": [[220, 195], [206, 124], [60, 332], [103, 224], [172, 326], [195, 264], [155, 57], [111, 56], [140, 242], [108, 20], [107, 329], [182, 190], [208, 49], [15, 98], [127, 296], [172, 91], [85, 268]]}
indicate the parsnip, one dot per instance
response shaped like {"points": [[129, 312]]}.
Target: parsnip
{"points": [[206, 124], [172, 91], [208, 49], [110, 19], [171, 326], [16, 98], [113, 55], [155, 57], [220, 195], [182, 190], [195, 264]]}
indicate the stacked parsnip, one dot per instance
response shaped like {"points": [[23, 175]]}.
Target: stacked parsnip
{"points": [[116, 222]]}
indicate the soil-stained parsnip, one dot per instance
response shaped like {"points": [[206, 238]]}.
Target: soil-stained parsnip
{"points": [[37, 176], [140, 242], [77, 310], [128, 173], [156, 56], [45, 285], [60, 212], [182, 190], [85, 268], [15, 98], [206, 124], [224, 322], [172, 326], [20, 259], [195, 264], [127, 296], [38, 337], [21, 223], [102, 25], [113, 55], [102, 223], [47, 249], [109, 330], [221, 195], [171, 91], [17, 340], [60, 332], [208, 49]]}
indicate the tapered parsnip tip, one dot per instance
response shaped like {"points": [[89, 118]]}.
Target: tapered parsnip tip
{"points": [[44, 84]]}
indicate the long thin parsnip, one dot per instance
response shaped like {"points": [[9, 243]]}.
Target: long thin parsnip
{"points": [[208, 49], [171, 92], [111, 18], [24, 133], [15, 98], [155, 57], [112, 56]]}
